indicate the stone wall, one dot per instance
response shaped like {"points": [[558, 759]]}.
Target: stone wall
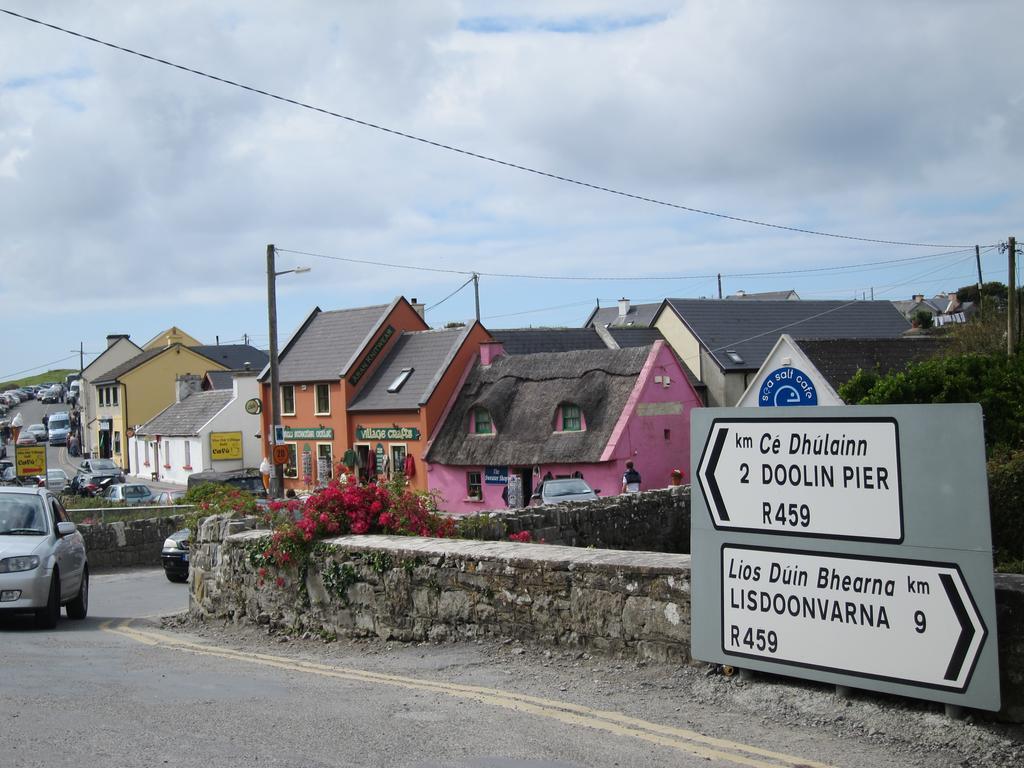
{"points": [[128, 544], [414, 589], [630, 604], [652, 521]]}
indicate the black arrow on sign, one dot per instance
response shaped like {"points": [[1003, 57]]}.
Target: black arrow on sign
{"points": [[716, 492], [966, 627]]}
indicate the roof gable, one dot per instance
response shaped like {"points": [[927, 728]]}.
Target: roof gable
{"points": [[739, 334], [320, 350], [169, 337], [141, 359], [97, 366], [522, 393]]}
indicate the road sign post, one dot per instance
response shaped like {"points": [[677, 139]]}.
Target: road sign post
{"points": [[853, 548]]}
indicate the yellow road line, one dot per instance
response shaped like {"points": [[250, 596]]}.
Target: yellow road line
{"points": [[572, 714]]}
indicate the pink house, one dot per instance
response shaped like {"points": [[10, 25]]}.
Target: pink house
{"points": [[518, 418]]}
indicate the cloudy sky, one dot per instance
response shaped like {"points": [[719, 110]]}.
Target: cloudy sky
{"points": [[135, 196]]}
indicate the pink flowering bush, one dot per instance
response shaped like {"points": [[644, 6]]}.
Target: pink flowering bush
{"points": [[348, 508], [523, 537]]}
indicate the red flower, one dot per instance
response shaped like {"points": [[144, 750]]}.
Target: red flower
{"points": [[280, 581]]}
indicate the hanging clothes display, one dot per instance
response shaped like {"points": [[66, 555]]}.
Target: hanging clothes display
{"points": [[409, 467], [350, 459]]}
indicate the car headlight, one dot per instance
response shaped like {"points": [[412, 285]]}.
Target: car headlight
{"points": [[15, 564], [171, 544]]}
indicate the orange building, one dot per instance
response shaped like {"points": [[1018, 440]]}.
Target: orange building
{"points": [[366, 386]]}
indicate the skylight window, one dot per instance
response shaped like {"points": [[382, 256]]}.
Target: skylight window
{"points": [[400, 380], [733, 355]]}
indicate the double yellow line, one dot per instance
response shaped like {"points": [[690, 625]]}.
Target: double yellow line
{"points": [[615, 723]]}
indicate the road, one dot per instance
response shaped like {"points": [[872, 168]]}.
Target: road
{"points": [[57, 457], [120, 690]]}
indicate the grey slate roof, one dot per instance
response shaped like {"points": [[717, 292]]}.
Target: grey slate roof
{"points": [[321, 350], [185, 419], [751, 328], [234, 356], [428, 353], [528, 341], [789, 295], [522, 393], [221, 379], [635, 337], [638, 316], [838, 360]]}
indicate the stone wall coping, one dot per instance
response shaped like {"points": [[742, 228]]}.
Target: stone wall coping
{"points": [[550, 555]]}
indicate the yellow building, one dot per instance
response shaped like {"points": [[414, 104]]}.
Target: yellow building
{"points": [[137, 390], [173, 335]]}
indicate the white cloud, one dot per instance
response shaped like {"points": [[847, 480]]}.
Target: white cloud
{"points": [[133, 185]]}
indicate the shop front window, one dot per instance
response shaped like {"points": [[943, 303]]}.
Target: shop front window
{"points": [[324, 462], [291, 467]]}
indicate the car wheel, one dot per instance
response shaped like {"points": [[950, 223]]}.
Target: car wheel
{"points": [[79, 607], [177, 578], [46, 618]]}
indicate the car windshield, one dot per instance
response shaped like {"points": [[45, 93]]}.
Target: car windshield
{"points": [[102, 464], [565, 487], [58, 424], [21, 516], [37, 428]]}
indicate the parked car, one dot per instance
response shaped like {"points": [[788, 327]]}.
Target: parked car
{"points": [[59, 428], [44, 563], [166, 498], [130, 493], [99, 468], [58, 480], [175, 554], [244, 479], [26, 438], [38, 431], [564, 489]]}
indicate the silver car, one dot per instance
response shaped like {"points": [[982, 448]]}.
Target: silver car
{"points": [[564, 489], [43, 563]]}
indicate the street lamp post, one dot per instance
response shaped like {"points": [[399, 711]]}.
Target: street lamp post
{"points": [[277, 479]]}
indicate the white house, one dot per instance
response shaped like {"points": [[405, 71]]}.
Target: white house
{"points": [[217, 429]]}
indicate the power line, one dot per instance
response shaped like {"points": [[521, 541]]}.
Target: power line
{"points": [[627, 278], [442, 301], [468, 153], [8, 376]]}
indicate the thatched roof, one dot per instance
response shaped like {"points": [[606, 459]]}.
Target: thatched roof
{"points": [[522, 394]]}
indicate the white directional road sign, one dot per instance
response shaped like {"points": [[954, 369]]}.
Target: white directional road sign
{"points": [[903, 621], [836, 477]]}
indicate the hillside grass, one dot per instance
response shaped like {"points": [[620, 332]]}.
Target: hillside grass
{"points": [[57, 375]]}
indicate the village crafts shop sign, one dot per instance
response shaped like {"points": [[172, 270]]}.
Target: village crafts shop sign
{"points": [[387, 433]]}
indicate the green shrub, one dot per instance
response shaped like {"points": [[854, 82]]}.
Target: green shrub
{"points": [[216, 499], [1006, 502]]}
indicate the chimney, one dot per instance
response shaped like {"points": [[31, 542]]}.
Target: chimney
{"points": [[113, 338], [623, 307], [490, 351], [918, 297], [420, 309], [187, 384]]}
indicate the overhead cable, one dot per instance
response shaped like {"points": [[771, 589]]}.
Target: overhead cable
{"points": [[476, 155]]}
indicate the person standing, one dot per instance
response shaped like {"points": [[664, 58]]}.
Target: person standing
{"points": [[630, 479]]}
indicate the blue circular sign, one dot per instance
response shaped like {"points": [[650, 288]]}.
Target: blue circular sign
{"points": [[787, 386]]}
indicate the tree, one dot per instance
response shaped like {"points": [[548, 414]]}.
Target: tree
{"points": [[923, 319]]}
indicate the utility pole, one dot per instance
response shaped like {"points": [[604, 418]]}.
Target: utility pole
{"points": [[977, 258], [872, 293], [476, 292], [81, 358], [719, 285], [1011, 296], [277, 486]]}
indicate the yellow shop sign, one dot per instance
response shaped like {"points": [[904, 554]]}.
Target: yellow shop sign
{"points": [[225, 446]]}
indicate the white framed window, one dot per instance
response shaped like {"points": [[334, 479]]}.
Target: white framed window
{"points": [[324, 451], [287, 399], [323, 400]]}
